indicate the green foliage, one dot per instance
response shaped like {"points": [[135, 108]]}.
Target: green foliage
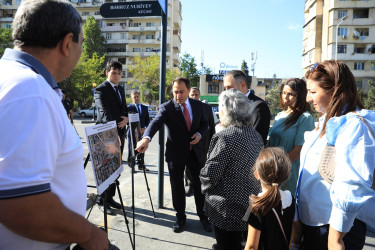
{"points": [[369, 100], [80, 83], [273, 99], [6, 40], [146, 77], [245, 68], [188, 68], [207, 71], [93, 38]]}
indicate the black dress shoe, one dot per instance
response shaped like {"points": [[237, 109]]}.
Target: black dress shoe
{"points": [[109, 210], [206, 225], [177, 227], [141, 168], [114, 204], [189, 191]]}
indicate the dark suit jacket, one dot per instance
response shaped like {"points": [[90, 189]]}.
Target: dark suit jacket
{"points": [[144, 118], [260, 115], [211, 127], [178, 141], [110, 107]]}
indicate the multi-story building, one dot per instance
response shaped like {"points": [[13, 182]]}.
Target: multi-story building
{"points": [[125, 37], [342, 29]]}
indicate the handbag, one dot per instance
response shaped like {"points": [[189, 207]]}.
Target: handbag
{"points": [[327, 162]]}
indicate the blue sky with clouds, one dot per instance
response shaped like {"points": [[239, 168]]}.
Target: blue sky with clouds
{"points": [[229, 30]]}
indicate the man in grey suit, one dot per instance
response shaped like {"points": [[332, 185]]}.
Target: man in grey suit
{"points": [[186, 125], [111, 103]]}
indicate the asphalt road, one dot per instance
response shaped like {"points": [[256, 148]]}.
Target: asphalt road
{"points": [[150, 232]]}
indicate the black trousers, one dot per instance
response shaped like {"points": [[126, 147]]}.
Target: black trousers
{"points": [[317, 237], [228, 240], [176, 178]]}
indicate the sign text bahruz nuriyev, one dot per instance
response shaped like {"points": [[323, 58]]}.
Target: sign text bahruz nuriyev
{"points": [[131, 9]]}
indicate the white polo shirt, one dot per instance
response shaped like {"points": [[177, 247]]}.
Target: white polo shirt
{"points": [[39, 149]]}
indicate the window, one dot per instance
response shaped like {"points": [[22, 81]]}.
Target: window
{"points": [[343, 31], [357, 33], [135, 24], [136, 50], [108, 36], [136, 37], [359, 66], [360, 13], [7, 25], [96, 13], [358, 84], [122, 35], [149, 49], [123, 24], [110, 24], [359, 49], [342, 13], [85, 13], [213, 87], [150, 24], [341, 48], [149, 36], [122, 60], [18, 1]]}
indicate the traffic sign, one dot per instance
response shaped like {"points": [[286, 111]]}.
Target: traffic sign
{"points": [[131, 9]]}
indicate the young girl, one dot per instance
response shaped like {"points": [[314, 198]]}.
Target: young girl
{"points": [[271, 213]]}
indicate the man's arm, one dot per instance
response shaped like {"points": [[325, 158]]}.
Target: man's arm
{"points": [[261, 117], [102, 103], [43, 217]]}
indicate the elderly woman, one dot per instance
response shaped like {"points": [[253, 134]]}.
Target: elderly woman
{"points": [[328, 211], [227, 178]]}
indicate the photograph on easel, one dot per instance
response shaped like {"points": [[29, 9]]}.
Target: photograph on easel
{"points": [[104, 146], [135, 131]]}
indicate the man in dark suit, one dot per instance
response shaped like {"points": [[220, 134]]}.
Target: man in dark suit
{"points": [[144, 120], [261, 115], [186, 125], [196, 94], [111, 103]]}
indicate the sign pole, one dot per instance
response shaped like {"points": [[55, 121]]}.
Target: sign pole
{"points": [[163, 62]]}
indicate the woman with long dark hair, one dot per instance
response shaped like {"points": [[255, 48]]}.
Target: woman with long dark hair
{"points": [[291, 124]]}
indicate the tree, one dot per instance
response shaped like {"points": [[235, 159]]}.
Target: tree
{"points": [[245, 68], [188, 69], [273, 99], [93, 38], [6, 40], [146, 77], [369, 100], [79, 84]]}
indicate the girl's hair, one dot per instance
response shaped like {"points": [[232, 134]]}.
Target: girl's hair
{"points": [[335, 77], [300, 106], [273, 168]]}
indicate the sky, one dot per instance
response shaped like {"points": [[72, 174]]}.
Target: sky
{"points": [[229, 31]]}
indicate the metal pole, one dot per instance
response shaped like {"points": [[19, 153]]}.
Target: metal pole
{"points": [[163, 62], [337, 31]]}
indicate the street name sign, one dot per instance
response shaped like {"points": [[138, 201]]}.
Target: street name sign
{"points": [[131, 9]]}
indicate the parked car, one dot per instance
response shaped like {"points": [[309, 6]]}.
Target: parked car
{"points": [[152, 111], [87, 112]]}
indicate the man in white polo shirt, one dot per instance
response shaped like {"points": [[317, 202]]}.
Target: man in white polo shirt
{"points": [[42, 180]]}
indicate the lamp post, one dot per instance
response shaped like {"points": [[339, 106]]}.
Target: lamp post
{"points": [[93, 93], [337, 31]]}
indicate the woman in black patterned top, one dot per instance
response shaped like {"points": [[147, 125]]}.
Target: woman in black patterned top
{"points": [[272, 211], [225, 177]]}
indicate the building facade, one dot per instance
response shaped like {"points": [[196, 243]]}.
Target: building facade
{"points": [[342, 29], [125, 37]]}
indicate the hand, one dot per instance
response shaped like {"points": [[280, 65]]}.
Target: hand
{"points": [[97, 241], [143, 130], [195, 139], [142, 145], [124, 121]]}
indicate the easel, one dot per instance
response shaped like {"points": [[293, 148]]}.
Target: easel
{"points": [[131, 164], [105, 204]]}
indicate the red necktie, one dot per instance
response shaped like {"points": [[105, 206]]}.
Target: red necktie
{"points": [[186, 116]]}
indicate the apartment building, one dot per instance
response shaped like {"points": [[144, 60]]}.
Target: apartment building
{"points": [[342, 29], [125, 37]]}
